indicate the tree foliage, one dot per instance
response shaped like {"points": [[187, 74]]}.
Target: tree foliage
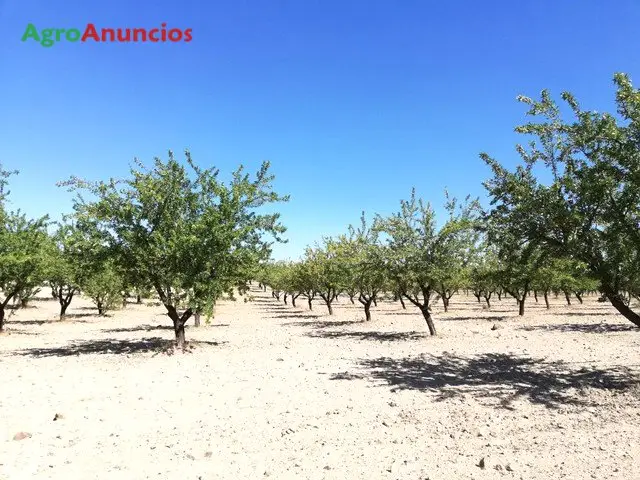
{"points": [[23, 249], [590, 207], [184, 231], [326, 271], [418, 252], [363, 256]]}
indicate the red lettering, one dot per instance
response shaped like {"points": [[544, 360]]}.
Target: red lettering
{"points": [[122, 38], [173, 37], [187, 35], [90, 32], [111, 33], [140, 31], [152, 35]]}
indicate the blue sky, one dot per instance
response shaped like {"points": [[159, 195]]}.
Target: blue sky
{"points": [[354, 102]]}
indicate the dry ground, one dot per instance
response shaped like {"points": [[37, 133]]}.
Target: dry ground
{"points": [[273, 391]]}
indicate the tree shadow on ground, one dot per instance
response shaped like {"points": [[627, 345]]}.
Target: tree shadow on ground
{"points": [[372, 336], [45, 322], [585, 313], [323, 324], [13, 331], [138, 328], [108, 346], [493, 318], [296, 315], [268, 301], [498, 379], [583, 327], [276, 308], [151, 328]]}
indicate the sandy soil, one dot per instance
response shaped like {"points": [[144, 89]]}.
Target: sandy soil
{"points": [[281, 392]]}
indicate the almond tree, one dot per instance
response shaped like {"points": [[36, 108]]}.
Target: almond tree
{"points": [[303, 282], [417, 249], [103, 284], [484, 275], [518, 266], [179, 228], [588, 205], [23, 250], [276, 277], [65, 269], [326, 271], [365, 273]]}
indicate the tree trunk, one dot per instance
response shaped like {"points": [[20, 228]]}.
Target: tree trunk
{"points": [[178, 324], [310, 306], [196, 319], [546, 299], [329, 308], [499, 296], [568, 297], [375, 302], [367, 310], [427, 316], [477, 295], [1, 317], [619, 304], [404, 307], [535, 295], [351, 298], [100, 308], [579, 297], [63, 309], [178, 328], [487, 299], [445, 304], [521, 305], [293, 300], [24, 302], [138, 299], [285, 298]]}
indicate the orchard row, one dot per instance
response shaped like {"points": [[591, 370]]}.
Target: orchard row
{"points": [[178, 231]]}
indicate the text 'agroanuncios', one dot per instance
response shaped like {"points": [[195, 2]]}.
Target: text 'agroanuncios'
{"points": [[91, 34]]}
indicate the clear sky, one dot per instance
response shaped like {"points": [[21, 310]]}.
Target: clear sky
{"points": [[354, 102]]}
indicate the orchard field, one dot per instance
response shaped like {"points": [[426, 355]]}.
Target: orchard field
{"points": [[150, 333], [273, 391]]}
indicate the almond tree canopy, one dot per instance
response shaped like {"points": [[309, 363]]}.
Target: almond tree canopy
{"points": [[589, 207], [182, 230], [23, 248]]}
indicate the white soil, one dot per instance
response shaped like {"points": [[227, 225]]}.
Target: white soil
{"points": [[275, 391]]}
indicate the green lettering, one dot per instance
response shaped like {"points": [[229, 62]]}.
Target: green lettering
{"points": [[47, 33], [73, 35], [31, 32]]}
